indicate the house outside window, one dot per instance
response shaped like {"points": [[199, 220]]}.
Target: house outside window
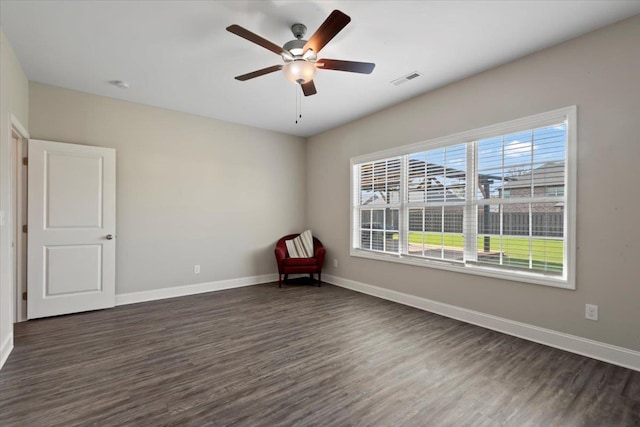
{"points": [[496, 201], [549, 181]]}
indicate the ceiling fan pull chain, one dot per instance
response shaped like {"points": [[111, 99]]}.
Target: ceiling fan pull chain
{"points": [[298, 106]]}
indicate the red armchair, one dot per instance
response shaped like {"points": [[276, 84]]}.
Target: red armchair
{"points": [[287, 265]]}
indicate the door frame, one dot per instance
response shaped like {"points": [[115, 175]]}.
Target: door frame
{"points": [[17, 211]]}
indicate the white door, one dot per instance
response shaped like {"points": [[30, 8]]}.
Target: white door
{"points": [[71, 228]]}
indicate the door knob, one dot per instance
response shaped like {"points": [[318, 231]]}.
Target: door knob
{"points": [[109, 237]]}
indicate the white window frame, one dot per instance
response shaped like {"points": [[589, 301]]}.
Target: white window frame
{"points": [[566, 280]]}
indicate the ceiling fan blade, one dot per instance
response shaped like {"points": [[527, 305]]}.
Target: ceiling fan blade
{"points": [[329, 28], [309, 88], [260, 41], [350, 66], [259, 73]]}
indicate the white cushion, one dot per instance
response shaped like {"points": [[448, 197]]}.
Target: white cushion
{"points": [[301, 246], [307, 243]]}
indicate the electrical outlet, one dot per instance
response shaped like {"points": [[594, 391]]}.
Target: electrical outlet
{"points": [[591, 312], [196, 269], [335, 263]]}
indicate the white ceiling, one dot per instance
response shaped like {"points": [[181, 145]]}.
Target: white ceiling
{"points": [[178, 55]]}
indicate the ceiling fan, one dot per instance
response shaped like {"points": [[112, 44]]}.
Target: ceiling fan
{"points": [[300, 56]]}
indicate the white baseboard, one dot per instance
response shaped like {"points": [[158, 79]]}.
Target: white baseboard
{"points": [[5, 350], [180, 291], [597, 350]]}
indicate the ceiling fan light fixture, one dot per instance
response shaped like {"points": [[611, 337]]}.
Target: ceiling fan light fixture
{"points": [[299, 71]]}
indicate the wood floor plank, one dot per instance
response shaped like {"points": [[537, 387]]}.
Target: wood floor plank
{"points": [[300, 355]]}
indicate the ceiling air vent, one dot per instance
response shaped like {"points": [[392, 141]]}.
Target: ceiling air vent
{"points": [[406, 78]]}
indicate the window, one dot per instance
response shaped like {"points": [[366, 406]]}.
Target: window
{"points": [[436, 186], [555, 191], [379, 202], [495, 201]]}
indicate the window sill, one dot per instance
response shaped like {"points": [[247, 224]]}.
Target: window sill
{"points": [[479, 270]]}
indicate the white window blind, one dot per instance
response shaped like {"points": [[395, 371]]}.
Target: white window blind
{"points": [[493, 201], [436, 193], [525, 228], [378, 205]]}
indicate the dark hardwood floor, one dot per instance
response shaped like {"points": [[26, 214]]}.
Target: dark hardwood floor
{"points": [[300, 355]]}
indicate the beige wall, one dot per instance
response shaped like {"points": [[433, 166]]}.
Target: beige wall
{"points": [[190, 190], [14, 100], [600, 73]]}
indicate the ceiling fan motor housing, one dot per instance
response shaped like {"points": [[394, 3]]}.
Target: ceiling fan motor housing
{"points": [[295, 47]]}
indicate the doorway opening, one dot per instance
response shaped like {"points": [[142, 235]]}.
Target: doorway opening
{"points": [[18, 219]]}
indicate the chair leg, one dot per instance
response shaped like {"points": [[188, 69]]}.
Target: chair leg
{"points": [[319, 279], [279, 280]]}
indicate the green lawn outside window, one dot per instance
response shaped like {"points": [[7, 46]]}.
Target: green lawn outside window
{"points": [[515, 249]]}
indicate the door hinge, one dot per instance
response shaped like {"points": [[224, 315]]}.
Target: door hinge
{"points": [[25, 161], [24, 229], [24, 296]]}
